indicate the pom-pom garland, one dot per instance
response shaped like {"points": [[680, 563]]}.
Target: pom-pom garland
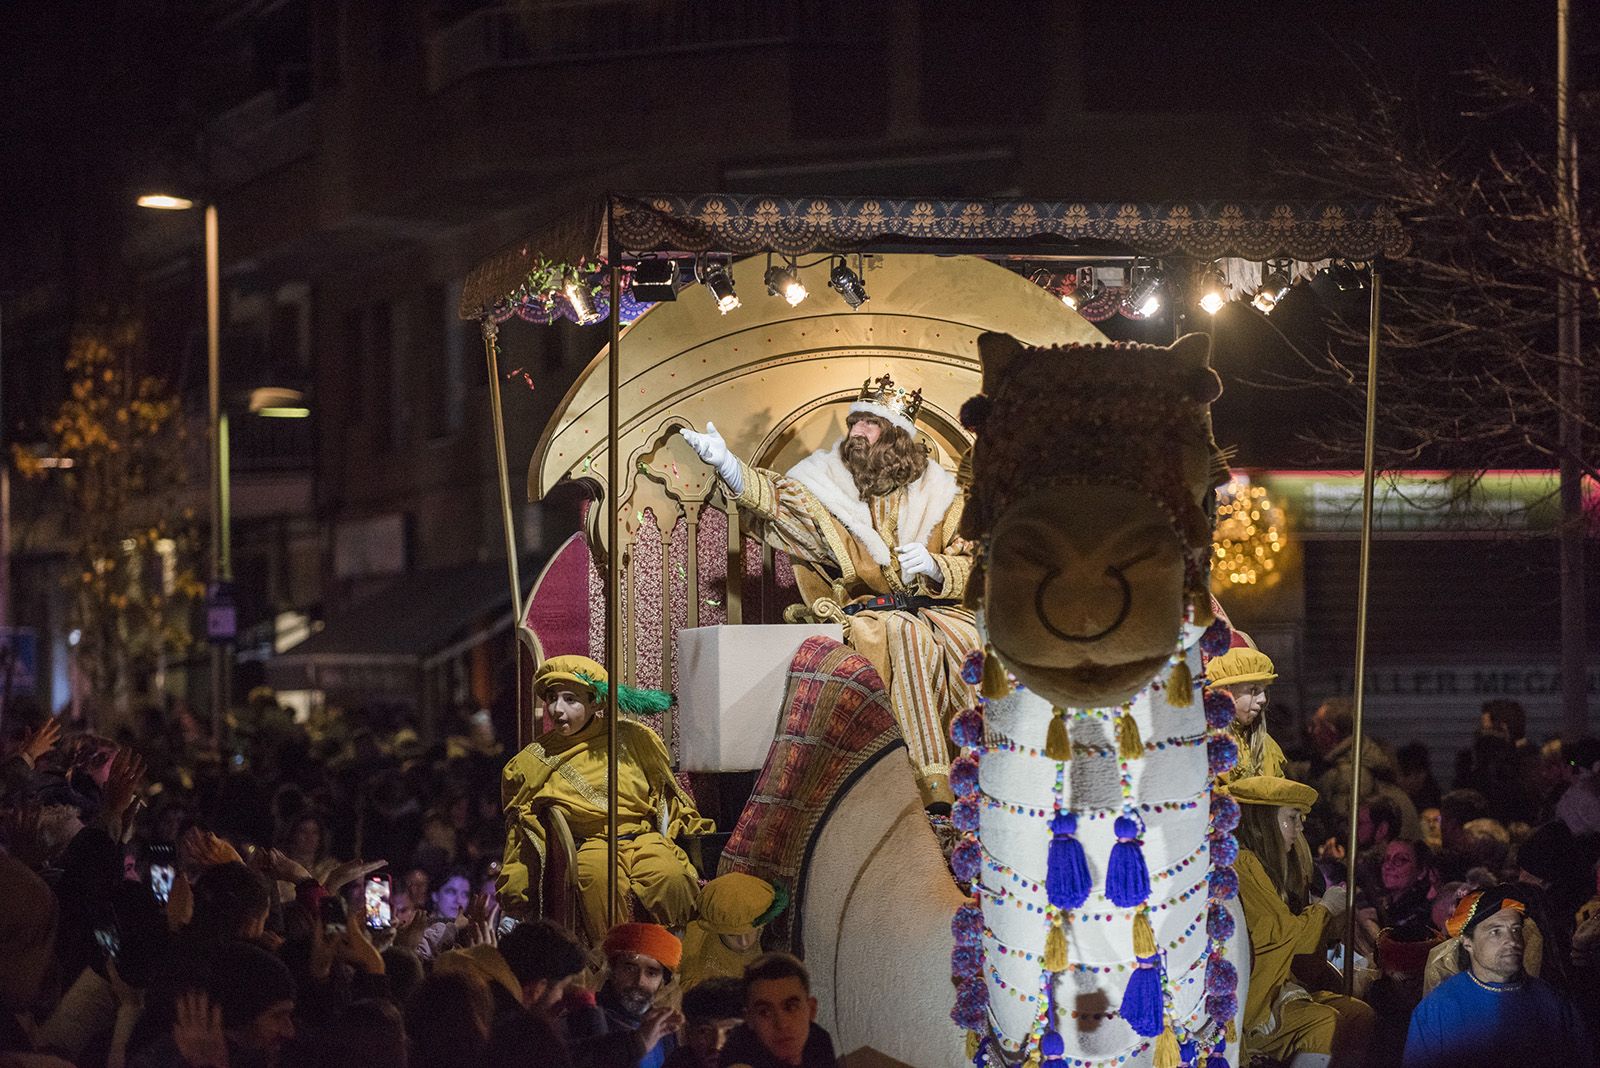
{"points": [[1224, 851], [966, 729], [1216, 639], [967, 925], [1222, 753], [1219, 710], [1222, 1007], [964, 775], [966, 860], [1219, 924], [964, 816], [972, 1005], [1221, 976], [966, 962], [1224, 883], [972, 668], [1224, 813]]}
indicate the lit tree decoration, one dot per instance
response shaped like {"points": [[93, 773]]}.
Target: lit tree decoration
{"points": [[1249, 536]]}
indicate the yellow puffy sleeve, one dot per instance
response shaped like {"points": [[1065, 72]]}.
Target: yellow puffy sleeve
{"points": [[1277, 936], [517, 886]]}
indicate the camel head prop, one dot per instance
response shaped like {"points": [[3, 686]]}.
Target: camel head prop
{"points": [[1090, 495]]}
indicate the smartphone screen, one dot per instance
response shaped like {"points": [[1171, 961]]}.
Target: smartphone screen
{"points": [[109, 942], [378, 914], [161, 881]]}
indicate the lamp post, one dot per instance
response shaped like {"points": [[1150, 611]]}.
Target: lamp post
{"points": [[216, 433]]}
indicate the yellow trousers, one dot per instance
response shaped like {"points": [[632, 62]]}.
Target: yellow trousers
{"points": [[1323, 1023], [650, 870]]}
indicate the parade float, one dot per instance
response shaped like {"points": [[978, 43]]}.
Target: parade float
{"points": [[1079, 907]]}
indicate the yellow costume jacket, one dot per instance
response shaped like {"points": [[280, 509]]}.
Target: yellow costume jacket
{"points": [[1277, 936], [570, 772]]}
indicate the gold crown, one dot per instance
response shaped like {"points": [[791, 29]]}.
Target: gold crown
{"points": [[891, 400]]}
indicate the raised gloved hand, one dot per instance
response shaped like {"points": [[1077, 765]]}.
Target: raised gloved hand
{"points": [[1336, 899], [916, 560], [710, 447]]}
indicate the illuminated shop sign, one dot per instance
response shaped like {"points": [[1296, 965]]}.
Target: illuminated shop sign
{"points": [[1329, 502]]}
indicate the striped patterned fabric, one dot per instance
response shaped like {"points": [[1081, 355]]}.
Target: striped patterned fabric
{"points": [[837, 719]]}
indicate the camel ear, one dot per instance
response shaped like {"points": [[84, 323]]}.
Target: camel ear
{"points": [[995, 353], [1191, 354]]}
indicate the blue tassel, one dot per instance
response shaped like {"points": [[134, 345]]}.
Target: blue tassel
{"points": [[1141, 1001], [1127, 875], [1189, 1052], [1066, 879]]}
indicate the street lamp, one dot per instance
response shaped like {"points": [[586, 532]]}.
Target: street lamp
{"points": [[216, 433]]}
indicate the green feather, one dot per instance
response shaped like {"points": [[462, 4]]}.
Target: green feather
{"points": [[780, 901], [637, 702]]}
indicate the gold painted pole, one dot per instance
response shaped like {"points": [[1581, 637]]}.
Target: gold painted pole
{"points": [[1367, 478], [613, 581], [491, 353]]}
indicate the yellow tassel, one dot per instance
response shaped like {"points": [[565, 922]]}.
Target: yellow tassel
{"points": [[972, 1044], [1055, 948], [1057, 744], [1129, 745], [995, 683], [1231, 1033], [1200, 598], [1144, 939], [1180, 688], [1167, 1054]]}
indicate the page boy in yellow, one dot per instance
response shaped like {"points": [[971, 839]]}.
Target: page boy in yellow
{"points": [[1244, 674], [567, 765]]}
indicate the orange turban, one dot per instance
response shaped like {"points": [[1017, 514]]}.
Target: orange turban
{"points": [[1479, 906], [646, 939]]}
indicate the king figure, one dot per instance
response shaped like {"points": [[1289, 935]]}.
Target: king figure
{"points": [[870, 526]]}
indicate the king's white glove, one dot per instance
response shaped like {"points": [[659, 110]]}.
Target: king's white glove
{"points": [[1336, 899], [916, 560], [713, 450]]}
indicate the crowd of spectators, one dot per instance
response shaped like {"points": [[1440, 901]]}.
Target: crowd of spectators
{"points": [[169, 903]]}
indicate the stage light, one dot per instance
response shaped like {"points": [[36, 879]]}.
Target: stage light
{"points": [[582, 301], [1337, 280], [1213, 291], [165, 202], [1273, 288], [783, 282], [1145, 296], [1085, 289], [655, 281], [717, 279], [847, 284]]}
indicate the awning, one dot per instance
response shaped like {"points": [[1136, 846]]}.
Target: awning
{"points": [[741, 225], [382, 645]]}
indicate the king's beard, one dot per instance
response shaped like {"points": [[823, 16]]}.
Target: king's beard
{"points": [[883, 466]]}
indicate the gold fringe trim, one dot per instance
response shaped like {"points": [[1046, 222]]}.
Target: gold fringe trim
{"points": [[1057, 743], [1129, 745]]}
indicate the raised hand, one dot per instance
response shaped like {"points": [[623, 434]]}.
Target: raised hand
{"points": [[658, 1023], [410, 935], [123, 781], [346, 872], [916, 560], [180, 903], [277, 865], [357, 950], [36, 743], [197, 1031], [201, 849], [709, 445]]}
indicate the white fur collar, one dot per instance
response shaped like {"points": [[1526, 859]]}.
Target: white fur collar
{"points": [[927, 500]]}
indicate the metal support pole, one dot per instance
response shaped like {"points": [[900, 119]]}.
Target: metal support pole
{"points": [[1569, 391], [221, 564], [613, 579], [491, 355], [1368, 474]]}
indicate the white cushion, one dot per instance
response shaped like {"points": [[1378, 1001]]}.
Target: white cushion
{"points": [[730, 691]]}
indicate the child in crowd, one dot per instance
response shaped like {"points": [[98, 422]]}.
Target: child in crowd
{"points": [[711, 1010], [1244, 674]]}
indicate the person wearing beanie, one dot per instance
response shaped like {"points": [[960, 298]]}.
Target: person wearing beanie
{"points": [[726, 935], [1282, 1020], [1245, 674], [566, 768], [640, 961], [1493, 1012]]}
